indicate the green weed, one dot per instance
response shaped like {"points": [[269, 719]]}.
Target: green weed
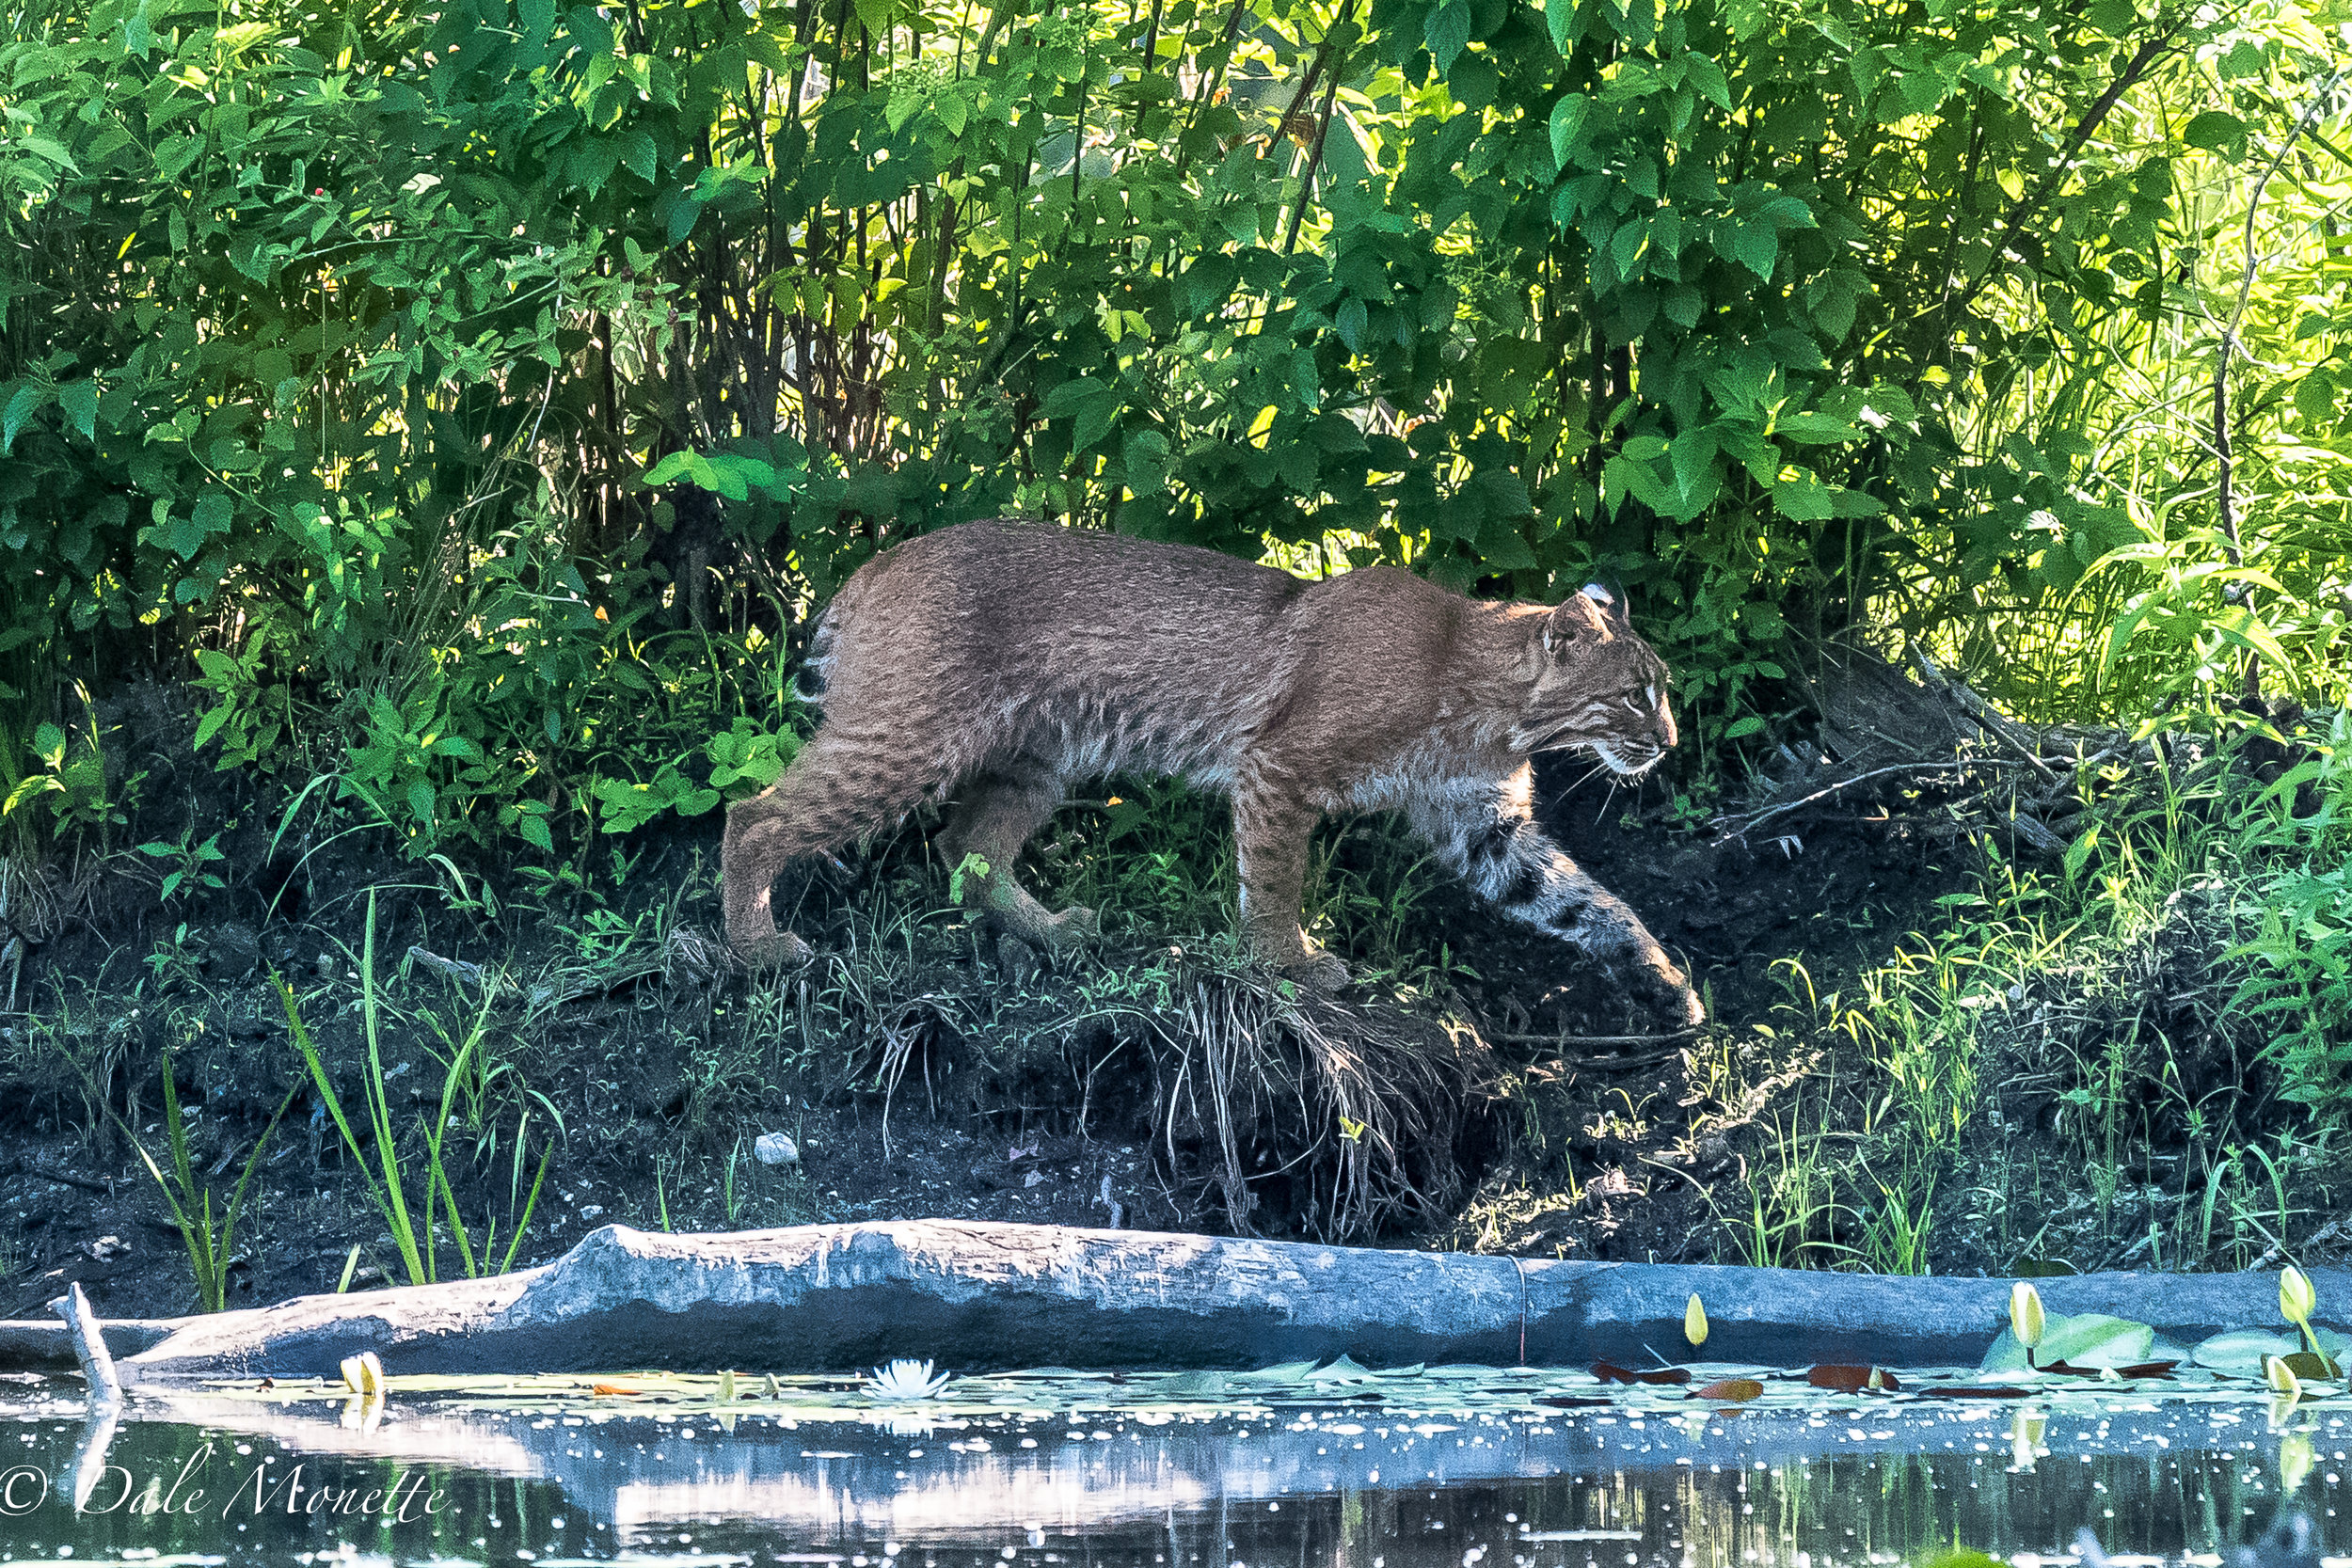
{"points": [[209, 1236], [386, 1181]]}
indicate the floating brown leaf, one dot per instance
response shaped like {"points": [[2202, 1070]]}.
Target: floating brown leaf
{"points": [[612, 1389], [2141, 1369], [1735, 1390], [1608, 1372], [1854, 1380], [2310, 1365]]}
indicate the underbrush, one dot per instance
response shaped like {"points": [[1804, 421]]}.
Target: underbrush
{"points": [[2139, 1057]]}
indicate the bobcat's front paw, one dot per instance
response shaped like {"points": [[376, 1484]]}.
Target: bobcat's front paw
{"points": [[777, 950], [1322, 975], [1659, 981]]}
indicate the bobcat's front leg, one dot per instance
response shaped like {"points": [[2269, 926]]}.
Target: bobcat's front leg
{"points": [[1271, 829], [1492, 842]]}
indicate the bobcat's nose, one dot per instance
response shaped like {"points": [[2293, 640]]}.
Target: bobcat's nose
{"points": [[1666, 735]]}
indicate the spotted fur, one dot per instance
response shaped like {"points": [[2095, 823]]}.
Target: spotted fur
{"points": [[994, 665]]}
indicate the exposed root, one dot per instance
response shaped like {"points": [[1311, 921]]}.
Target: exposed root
{"points": [[1343, 1121]]}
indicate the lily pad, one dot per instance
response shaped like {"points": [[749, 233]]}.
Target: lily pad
{"points": [[2087, 1340], [2095, 1340], [2241, 1352]]}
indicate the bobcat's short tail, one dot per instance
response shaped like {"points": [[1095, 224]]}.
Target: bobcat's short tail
{"points": [[809, 684]]}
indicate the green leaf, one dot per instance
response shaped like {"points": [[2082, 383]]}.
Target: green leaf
{"points": [[212, 513], [1447, 32], [29, 400], [639, 155], [2078, 852], [1702, 73], [1560, 16], [1755, 247], [1349, 322], [1810, 426], [1803, 499], [2242, 1351], [79, 400], [1568, 118], [2316, 396], [2214, 132]]}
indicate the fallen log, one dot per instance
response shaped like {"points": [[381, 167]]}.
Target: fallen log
{"points": [[975, 1295], [37, 1345]]}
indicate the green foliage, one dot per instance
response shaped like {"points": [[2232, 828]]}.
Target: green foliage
{"points": [[68, 779], [188, 861], [397, 391]]}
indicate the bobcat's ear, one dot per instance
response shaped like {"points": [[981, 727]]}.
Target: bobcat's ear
{"points": [[1613, 608], [1579, 621]]}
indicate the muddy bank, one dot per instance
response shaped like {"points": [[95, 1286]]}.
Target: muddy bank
{"points": [[922, 1071]]}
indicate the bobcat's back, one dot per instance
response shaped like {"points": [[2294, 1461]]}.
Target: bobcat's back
{"points": [[1089, 651]]}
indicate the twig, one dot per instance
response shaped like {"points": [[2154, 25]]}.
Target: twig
{"points": [[1962, 763], [1985, 714], [1596, 1040], [448, 969], [1315, 162], [89, 1453], [1674, 1170], [88, 1185], [89, 1349]]}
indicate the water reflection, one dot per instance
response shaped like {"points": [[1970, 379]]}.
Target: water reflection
{"points": [[232, 1480]]}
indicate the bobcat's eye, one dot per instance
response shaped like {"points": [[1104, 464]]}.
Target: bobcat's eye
{"points": [[1631, 706]]}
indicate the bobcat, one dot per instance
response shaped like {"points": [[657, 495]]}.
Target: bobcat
{"points": [[993, 664]]}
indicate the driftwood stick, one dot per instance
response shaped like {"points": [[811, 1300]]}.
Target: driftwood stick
{"points": [[89, 1349], [1734, 828]]}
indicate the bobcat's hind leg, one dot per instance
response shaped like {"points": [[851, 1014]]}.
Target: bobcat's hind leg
{"points": [[993, 817], [1272, 831], [841, 787], [1490, 839]]}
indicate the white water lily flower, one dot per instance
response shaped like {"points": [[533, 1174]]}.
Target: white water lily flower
{"points": [[904, 1379]]}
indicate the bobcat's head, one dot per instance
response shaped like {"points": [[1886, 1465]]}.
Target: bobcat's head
{"points": [[1601, 687]]}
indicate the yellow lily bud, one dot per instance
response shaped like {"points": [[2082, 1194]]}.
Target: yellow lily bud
{"points": [[2280, 1376], [2296, 1299], [1694, 1322], [2025, 1313]]}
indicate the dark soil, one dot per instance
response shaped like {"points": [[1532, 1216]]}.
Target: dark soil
{"points": [[662, 1076]]}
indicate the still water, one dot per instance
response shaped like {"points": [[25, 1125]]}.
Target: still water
{"points": [[1436, 1474]]}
